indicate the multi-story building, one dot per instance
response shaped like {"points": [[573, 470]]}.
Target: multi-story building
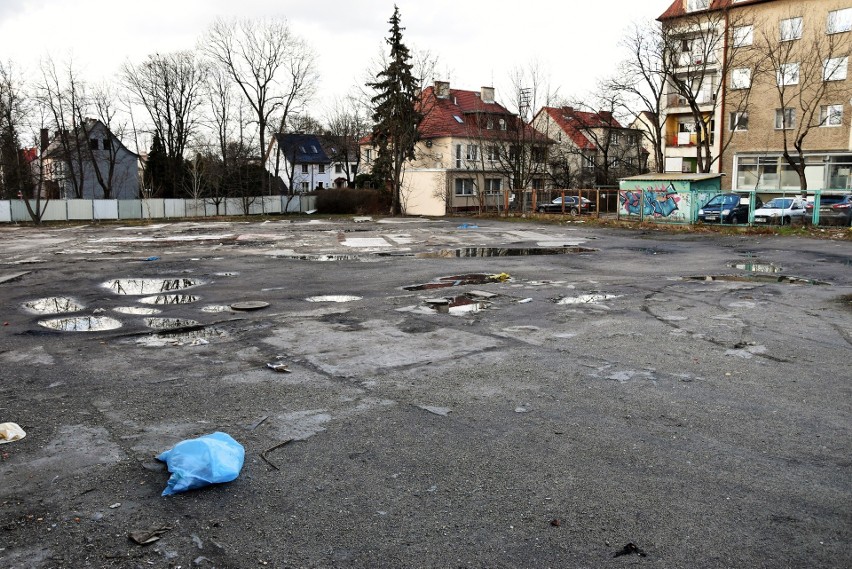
{"points": [[591, 148], [471, 154], [300, 162], [779, 80]]}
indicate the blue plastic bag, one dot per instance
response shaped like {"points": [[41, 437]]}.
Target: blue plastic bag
{"points": [[210, 459]]}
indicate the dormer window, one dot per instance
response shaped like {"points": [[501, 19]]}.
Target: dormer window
{"points": [[502, 124], [696, 5]]}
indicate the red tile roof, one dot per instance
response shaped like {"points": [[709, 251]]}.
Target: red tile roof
{"points": [[678, 7], [465, 114], [574, 122]]}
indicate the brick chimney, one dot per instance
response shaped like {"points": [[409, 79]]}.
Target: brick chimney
{"points": [[487, 94], [442, 89], [45, 139]]}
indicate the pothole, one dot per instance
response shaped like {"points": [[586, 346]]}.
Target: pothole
{"points": [[320, 257], [169, 323], [757, 277], [168, 299], [53, 305], [502, 252], [587, 298], [183, 338], [138, 287], [81, 324], [141, 310], [757, 267], [652, 251], [333, 298], [460, 280]]}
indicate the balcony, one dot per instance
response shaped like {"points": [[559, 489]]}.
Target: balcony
{"points": [[702, 98], [683, 139]]}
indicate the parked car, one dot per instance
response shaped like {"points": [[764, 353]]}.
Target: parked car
{"points": [[727, 208], [573, 205], [781, 211], [834, 209]]}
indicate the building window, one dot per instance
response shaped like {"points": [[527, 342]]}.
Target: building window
{"points": [[493, 153], [614, 138], [785, 118], [319, 185], [106, 143], [338, 168], [831, 115], [788, 74], [472, 151], [458, 155], [502, 123], [538, 154], [493, 185], [321, 168], [588, 161], [743, 36], [464, 187], [739, 121], [791, 29], [695, 5], [741, 78], [834, 68], [93, 143], [305, 186], [538, 183], [368, 155], [304, 168], [489, 123], [839, 21]]}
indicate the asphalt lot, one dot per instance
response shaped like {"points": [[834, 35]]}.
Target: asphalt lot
{"points": [[642, 398]]}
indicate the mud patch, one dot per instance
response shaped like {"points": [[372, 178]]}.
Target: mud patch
{"points": [[81, 324]]}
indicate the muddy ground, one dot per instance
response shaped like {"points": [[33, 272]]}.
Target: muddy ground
{"points": [[637, 399]]}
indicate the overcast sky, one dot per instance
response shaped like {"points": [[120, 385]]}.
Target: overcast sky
{"points": [[477, 41]]}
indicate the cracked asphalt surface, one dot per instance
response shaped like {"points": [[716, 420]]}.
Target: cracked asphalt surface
{"points": [[608, 406]]}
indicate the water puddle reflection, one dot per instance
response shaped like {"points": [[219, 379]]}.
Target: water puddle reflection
{"points": [[760, 278], [81, 324], [136, 287], [168, 299], [502, 252], [757, 267], [169, 323], [333, 298], [136, 310], [460, 280], [53, 305]]}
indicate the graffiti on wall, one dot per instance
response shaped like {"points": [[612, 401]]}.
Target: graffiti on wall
{"points": [[656, 202]]}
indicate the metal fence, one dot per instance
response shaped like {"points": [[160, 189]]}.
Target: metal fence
{"points": [[12, 211]]}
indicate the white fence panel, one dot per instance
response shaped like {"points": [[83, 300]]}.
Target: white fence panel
{"points": [[80, 209], [153, 209], [233, 206], [130, 209], [51, 210], [5, 211], [174, 208], [105, 209], [194, 208], [255, 205], [272, 204], [293, 206]]}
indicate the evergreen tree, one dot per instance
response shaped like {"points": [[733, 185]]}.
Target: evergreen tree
{"points": [[396, 115], [156, 177]]}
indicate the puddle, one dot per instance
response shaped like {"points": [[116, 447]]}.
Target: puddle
{"points": [[191, 337], [456, 305], [587, 299], [333, 298], [53, 305], [135, 287], [136, 310], [502, 252], [761, 278], [757, 267], [166, 299], [652, 251], [81, 324], [169, 323], [216, 308], [460, 280], [226, 274], [321, 258]]}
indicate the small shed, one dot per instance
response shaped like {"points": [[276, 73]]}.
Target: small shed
{"points": [[666, 198]]}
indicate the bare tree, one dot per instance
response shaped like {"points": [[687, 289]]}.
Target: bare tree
{"points": [[642, 80], [346, 124], [808, 73], [15, 178], [169, 88], [273, 68]]}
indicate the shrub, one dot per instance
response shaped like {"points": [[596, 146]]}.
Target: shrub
{"points": [[351, 201]]}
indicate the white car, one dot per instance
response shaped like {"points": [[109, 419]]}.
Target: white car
{"points": [[781, 211]]}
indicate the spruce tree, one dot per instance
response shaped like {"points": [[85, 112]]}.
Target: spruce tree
{"points": [[156, 176], [396, 116]]}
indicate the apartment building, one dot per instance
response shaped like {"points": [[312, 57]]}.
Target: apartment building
{"points": [[767, 75]]}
